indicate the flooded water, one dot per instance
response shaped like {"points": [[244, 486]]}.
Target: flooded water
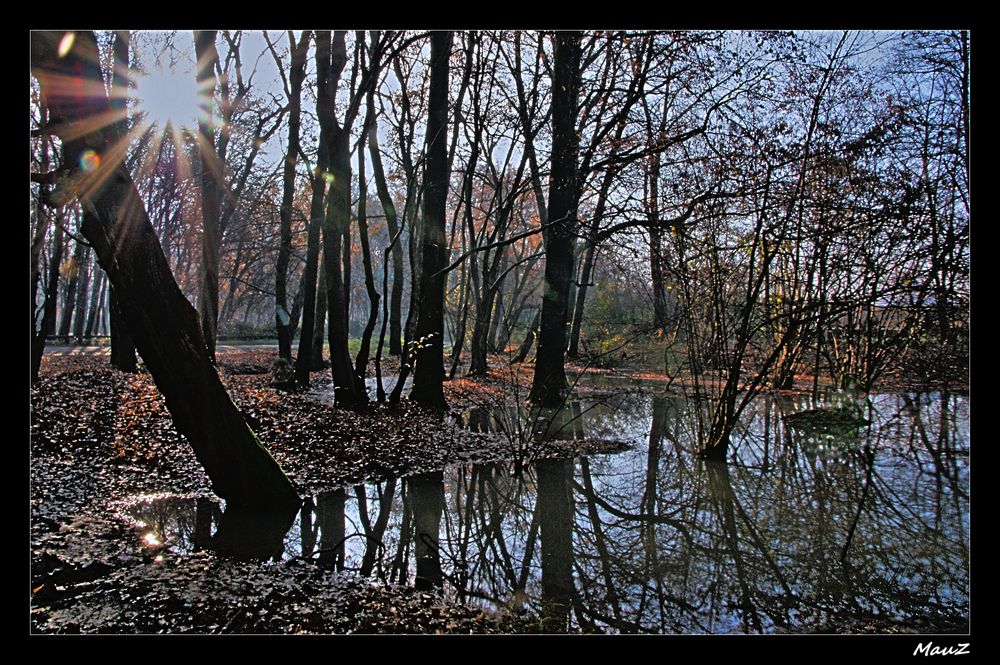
{"points": [[807, 527]]}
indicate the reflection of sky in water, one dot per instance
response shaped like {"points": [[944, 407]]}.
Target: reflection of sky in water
{"points": [[662, 542]]}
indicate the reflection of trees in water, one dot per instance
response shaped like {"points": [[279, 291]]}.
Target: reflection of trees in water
{"points": [[764, 544], [801, 530]]}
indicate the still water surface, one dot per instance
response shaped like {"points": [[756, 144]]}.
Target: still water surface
{"points": [[807, 528]]}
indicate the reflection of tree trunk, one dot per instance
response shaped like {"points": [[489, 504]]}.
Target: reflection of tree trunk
{"points": [[253, 535], [656, 430], [555, 501], [306, 530], [492, 529], [204, 510], [332, 527], [722, 493], [376, 532], [400, 563], [529, 553], [426, 492], [869, 458], [601, 543]]}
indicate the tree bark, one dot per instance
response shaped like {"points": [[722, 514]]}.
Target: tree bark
{"points": [[331, 59], [549, 386], [396, 297], [319, 331], [296, 75], [39, 333], [361, 361], [529, 338], [313, 311], [165, 325], [96, 302], [428, 375], [122, 345], [69, 304], [52, 286], [80, 317], [212, 186]]}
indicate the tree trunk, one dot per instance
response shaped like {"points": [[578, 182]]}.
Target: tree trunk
{"points": [[122, 344], [313, 308], [80, 317], [38, 334], [164, 324], [396, 298], [212, 186], [361, 361], [428, 375], [69, 304], [296, 75], [96, 302], [529, 338], [549, 386], [480, 332], [330, 61], [319, 331], [52, 287]]}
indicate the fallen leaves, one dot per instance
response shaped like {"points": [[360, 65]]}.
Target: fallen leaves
{"points": [[98, 434]]}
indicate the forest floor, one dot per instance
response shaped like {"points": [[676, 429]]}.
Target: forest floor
{"points": [[98, 436]]}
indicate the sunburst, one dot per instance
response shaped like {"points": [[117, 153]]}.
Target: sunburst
{"points": [[170, 99]]}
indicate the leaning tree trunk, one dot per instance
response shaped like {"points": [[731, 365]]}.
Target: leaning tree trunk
{"points": [[428, 375], [549, 385], [164, 324]]}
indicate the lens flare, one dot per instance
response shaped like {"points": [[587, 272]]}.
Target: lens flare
{"points": [[66, 44], [89, 161]]}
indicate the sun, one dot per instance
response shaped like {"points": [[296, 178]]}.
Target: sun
{"points": [[170, 98]]}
